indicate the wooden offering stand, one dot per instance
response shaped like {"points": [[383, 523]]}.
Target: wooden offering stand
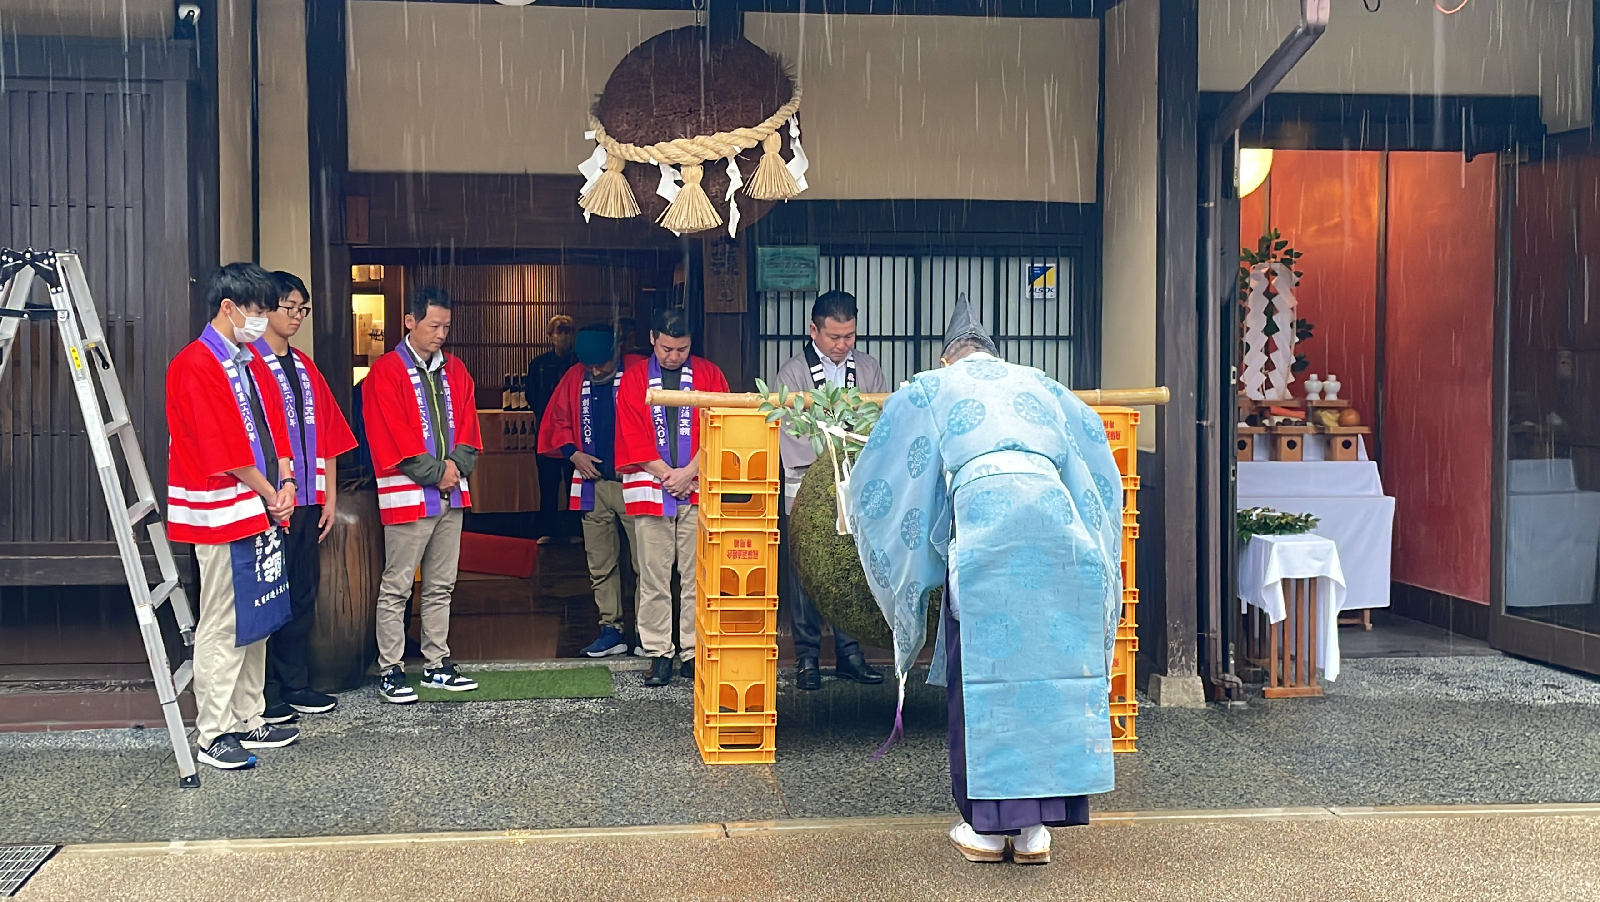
{"points": [[1288, 442]]}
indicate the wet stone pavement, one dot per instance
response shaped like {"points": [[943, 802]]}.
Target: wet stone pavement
{"points": [[1392, 731]]}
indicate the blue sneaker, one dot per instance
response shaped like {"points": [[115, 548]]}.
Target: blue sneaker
{"points": [[610, 643]]}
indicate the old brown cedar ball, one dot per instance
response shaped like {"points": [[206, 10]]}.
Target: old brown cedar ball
{"points": [[666, 89]]}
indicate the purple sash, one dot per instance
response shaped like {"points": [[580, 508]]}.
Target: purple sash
{"points": [[260, 585], [219, 346], [586, 432], [669, 503], [305, 454], [430, 493]]}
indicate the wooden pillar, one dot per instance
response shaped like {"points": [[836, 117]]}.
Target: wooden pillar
{"points": [[1176, 680], [205, 221], [328, 146]]}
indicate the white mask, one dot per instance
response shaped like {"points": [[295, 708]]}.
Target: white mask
{"points": [[254, 327]]}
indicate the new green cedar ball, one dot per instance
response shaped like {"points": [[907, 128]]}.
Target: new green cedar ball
{"points": [[829, 567]]}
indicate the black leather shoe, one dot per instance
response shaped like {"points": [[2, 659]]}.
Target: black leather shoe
{"points": [[660, 672], [855, 667], [808, 675], [687, 669]]}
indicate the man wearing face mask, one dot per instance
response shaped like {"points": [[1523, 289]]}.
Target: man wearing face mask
{"points": [[657, 453], [230, 488], [580, 425], [423, 429], [545, 372]]}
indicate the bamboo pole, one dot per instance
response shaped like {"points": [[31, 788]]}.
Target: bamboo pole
{"points": [[1094, 397]]}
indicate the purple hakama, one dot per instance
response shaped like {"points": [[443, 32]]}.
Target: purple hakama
{"points": [[994, 816]]}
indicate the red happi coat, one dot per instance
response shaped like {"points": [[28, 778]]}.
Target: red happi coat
{"points": [[333, 430], [562, 426], [207, 505], [394, 431], [636, 434]]}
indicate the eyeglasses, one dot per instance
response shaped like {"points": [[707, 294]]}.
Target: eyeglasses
{"points": [[299, 312]]}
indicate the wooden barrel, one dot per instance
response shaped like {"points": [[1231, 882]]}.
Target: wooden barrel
{"points": [[343, 643]]}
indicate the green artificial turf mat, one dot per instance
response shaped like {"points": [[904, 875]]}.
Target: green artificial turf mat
{"points": [[504, 685]]}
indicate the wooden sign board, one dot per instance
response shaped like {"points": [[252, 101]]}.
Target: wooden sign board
{"points": [[726, 278]]}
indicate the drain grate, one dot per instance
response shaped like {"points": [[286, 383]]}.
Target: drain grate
{"points": [[18, 863]]}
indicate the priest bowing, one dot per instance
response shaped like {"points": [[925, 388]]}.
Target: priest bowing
{"points": [[996, 482]]}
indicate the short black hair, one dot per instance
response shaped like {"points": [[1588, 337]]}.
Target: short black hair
{"points": [[246, 284], [835, 305], [423, 298], [671, 322], [289, 283]]}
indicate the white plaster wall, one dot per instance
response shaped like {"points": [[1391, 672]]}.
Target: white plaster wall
{"points": [[945, 107], [1128, 265], [449, 87], [285, 161], [1541, 48]]}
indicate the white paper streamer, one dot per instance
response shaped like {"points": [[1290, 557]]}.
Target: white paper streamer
{"points": [[1283, 340], [592, 169], [799, 164], [735, 182], [1252, 375], [669, 186]]}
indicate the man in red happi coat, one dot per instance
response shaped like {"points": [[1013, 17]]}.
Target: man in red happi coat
{"points": [[318, 434], [657, 451], [580, 425], [422, 426]]}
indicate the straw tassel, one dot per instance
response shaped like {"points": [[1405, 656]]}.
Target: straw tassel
{"points": [[692, 210], [611, 195], [773, 180]]}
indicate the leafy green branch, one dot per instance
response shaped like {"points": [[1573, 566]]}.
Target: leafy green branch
{"points": [[1264, 521], [809, 414]]}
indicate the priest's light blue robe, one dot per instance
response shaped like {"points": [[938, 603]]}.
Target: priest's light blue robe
{"points": [[996, 477]]}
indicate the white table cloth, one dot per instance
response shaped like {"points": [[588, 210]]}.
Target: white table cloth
{"points": [[1347, 498], [1269, 560], [1552, 535]]}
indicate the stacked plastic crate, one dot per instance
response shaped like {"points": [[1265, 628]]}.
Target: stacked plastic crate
{"points": [[736, 597], [1120, 425]]}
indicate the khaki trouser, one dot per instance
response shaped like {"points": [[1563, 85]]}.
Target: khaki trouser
{"points": [[435, 543], [229, 682], [604, 550], [663, 541]]}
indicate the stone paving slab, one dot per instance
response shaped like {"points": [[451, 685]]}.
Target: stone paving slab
{"points": [[1289, 858], [1415, 731]]}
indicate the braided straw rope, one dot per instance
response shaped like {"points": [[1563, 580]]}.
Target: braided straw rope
{"points": [[700, 149]]}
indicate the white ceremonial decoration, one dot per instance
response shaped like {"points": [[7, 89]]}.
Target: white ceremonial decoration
{"points": [[799, 164], [1252, 375], [735, 182], [1282, 373], [1269, 560]]}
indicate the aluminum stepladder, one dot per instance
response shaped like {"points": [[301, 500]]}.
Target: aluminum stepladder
{"points": [[93, 376]]}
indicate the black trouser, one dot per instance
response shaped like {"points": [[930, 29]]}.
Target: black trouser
{"points": [[289, 649], [555, 483], [804, 618]]}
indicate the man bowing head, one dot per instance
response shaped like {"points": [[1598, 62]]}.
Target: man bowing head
{"points": [[993, 480]]}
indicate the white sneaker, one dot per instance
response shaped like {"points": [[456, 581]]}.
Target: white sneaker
{"points": [[974, 846], [1032, 847]]}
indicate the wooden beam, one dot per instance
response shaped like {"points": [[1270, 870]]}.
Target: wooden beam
{"points": [[328, 149], [1177, 339]]}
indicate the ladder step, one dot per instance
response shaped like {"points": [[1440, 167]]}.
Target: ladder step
{"points": [[182, 676], [161, 593], [140, 511], [117, 425]]}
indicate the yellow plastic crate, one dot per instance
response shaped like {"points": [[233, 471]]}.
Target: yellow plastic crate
{"points": [[738, 445], [736, 628], [737, 680], [735, 563], [734, 738], [739, 507]]}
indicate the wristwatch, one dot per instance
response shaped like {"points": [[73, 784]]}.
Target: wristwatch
{"points": [[286, 480]]}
